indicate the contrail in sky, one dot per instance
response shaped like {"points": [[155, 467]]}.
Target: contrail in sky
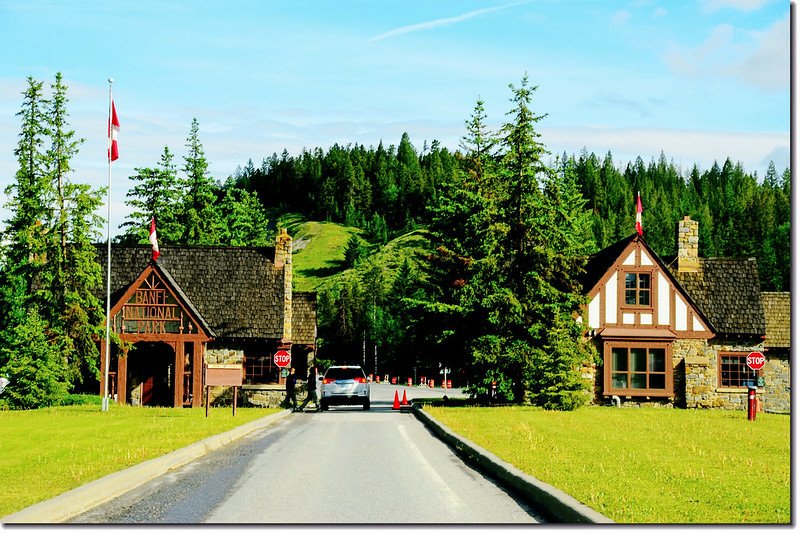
{"points": [[449, 21]]}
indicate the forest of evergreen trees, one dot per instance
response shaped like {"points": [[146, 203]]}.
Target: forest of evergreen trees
{"points": [[510, 227], [387, 192]]}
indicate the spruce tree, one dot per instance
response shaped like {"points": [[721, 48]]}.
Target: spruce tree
{"points": [[478, 145], [155, 194], [244, 219], [199, 217]]}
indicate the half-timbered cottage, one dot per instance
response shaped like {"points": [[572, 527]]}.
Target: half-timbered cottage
{"points": [[201, 305], [677, 331]]}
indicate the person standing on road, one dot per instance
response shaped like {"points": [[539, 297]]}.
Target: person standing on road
{"points": [[291, 396], [312, 389]]}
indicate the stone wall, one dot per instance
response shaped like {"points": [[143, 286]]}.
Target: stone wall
{"points": [[224, 356], [702, 379], [699, 372], [263, 396], [777, 385]]}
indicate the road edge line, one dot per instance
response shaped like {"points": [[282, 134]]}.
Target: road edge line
{"points": [[81, 499], [556, 503]]}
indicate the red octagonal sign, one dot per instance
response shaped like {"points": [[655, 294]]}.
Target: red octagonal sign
{"points": [[756, 360], [282, 358]]}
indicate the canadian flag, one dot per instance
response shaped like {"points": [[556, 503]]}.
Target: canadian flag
{"points": [[113, 129], [154, 239], [638, 214]]}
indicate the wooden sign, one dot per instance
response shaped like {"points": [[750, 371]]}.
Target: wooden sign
{"points": [[223, 376]]}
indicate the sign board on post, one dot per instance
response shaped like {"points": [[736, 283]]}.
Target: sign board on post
{"points": [[282, 358], [223, 376], [756, 360]]}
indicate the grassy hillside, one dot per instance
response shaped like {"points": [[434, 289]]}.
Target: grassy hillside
{"points": [[318, 252]]}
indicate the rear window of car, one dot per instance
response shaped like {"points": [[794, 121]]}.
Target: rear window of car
{"points": [[344, 373]]}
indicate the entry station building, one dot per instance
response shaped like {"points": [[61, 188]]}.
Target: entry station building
{"points": [[678, 330], [201, 305]]}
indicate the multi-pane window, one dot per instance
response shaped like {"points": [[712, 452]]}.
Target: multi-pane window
{"points": [[642, 370], [260, 369], [637, 288], [733, 370]]}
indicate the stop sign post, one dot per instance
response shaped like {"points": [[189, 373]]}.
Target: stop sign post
{"points": [[755, 361], [282, 358]]}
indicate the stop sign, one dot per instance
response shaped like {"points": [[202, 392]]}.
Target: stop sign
{"points": [[756, 360], [282, 358]]}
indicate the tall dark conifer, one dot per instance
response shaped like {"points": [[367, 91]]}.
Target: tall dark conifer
{"points": [[200, 218]]}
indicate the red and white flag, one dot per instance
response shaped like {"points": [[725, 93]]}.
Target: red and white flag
{"points": [[154, 239], [113, 129], [638, 214]]}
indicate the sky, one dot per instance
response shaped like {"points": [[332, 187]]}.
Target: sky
{"points": [[699, 80]]}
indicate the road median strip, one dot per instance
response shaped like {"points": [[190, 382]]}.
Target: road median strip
{"points": [[554, 503]]}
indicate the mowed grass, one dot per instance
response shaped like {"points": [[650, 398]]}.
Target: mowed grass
{"points": [[645, 465], [46, 452], [320, 252]]}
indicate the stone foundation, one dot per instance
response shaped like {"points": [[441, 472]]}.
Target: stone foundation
{"points": [[224, 356], [267, 396], [270, 396]]}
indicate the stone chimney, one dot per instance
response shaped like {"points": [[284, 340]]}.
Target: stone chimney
{"points": [[688, 245], [283, 259]]}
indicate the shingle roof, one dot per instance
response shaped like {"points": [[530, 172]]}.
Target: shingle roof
{"points": [[599, 263], [727, 291], [777, 313], [238, 291]]}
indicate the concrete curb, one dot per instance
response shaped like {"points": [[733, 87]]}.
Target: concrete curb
{"points": [[81, 499], [555, 503]]}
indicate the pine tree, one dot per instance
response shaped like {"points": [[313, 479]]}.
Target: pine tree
{"points": [[199, 217], [49, 314], [244, 219], [31, 194], [353, 252], [70, 270], [479, 146], [155, 194], [33, 364]]}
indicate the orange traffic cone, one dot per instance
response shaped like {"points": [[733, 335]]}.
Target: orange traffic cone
{"points": [[405, 400], [396, 404]]}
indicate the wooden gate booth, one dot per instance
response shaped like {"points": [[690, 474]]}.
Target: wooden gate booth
{"points": [[217, 375]]}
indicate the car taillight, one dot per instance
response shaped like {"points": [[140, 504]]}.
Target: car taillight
{"points": [[327, 381], [360, 380]]}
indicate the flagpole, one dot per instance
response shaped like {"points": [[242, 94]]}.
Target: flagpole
{"points": [[108, 260]]}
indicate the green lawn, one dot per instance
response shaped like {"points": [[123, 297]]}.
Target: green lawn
{"points": [[645, 465], [46, 452]]}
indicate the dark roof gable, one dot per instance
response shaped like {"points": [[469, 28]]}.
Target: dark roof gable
{"points": [[725, 291], [238, 291]]}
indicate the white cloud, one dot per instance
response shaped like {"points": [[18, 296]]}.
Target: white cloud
{"points": [[443, 22], [766, 67], [696, 61], [711, 6], [759, 59]]}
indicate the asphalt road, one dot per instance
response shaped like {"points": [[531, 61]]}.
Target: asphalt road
{"points": [[343, 466]]}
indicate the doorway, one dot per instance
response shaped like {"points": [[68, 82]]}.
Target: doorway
{"points": [[151, 374]]}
